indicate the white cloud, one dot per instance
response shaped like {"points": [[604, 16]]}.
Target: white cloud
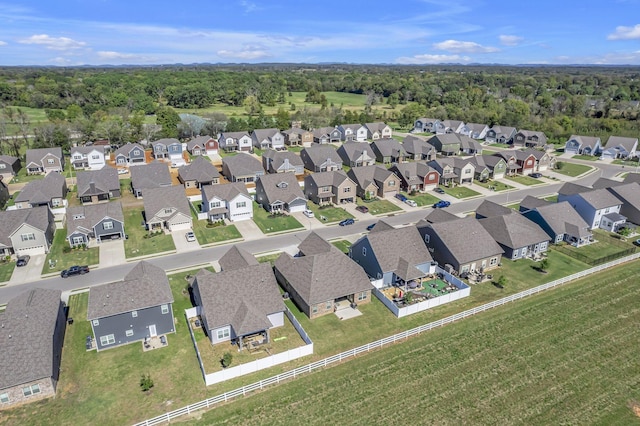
{"points": [[510, 40], [432, 59], [248, 52], [464, 47], [53, 43], [249, 6], [108, 54], [3, 43], [625, 33]]}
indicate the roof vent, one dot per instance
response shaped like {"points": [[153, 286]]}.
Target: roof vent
{"points": [[107, 295]]}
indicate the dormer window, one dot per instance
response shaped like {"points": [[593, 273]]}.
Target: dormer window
{"points": [[78, 216], [282, 185]]}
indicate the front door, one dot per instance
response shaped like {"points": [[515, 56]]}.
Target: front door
{"points": [[152, 330]]}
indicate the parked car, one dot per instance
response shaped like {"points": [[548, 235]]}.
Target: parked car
{"points": [[363, 209], [439, 190], [401, 197], [535, 175], [123, 171], [23, 260], [346, 222], [637, 242], [411, 203], [441, 204], [308, 213], [190, 236], [74, 270], [370, 227]]}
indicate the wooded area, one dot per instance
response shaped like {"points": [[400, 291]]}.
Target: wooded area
{"points": [[119, 103]]}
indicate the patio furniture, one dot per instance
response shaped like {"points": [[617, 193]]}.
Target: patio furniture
{"points": [[163, 340]]}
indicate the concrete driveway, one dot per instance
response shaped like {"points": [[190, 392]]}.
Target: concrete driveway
{"points": [[249, 230], [112, 253], [28, 273], [181, 242]]}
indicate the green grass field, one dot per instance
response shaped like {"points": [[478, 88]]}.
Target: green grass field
{"points": [[6, 270], [269, 224], [585, 157], [568, 356], [64, 260], [423, 199], [379, 206], [525, 180], [342, 245], [333, 214], [137, 245], [460, 192], [495, 184], [573, 169]]}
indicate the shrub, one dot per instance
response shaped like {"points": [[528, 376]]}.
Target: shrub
{"points": [[66, 249], [226, 359], [146, 382]]}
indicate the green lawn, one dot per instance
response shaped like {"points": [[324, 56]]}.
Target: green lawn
{"points": [[585, 157], [460, 192], [11, 201], [488, 152], [273, 223], [22, 177], [423, 199], [64, 260], [295, 148], [214, 235], [552, 198], [6, 270], [567, 356], [525, 180], [515, 206], [625, 162], [495, 184], [268, 258], [342, 245], [333, 214], [379, 206], [606, 245], [137, 245], [573, 169]]}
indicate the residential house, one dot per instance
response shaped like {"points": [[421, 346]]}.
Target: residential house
{"points": [[202, 145], [488, 167], [378, 130], [619, 147], [562, 223], [417, 148], [280, 192], [99, 222], [374, 181], [236, 258], [44, 160], [490, 209], [268, 138], [428, 125], [629, 194], [50, 191], [97, 186], [598, 207], [167, 208], [518, 236], [356, 154], [197, 173], [603, 182], [437, 216], [500, 134], [470, 146], [321, 279], [518, 162], [460, 244], [87, 157], [148, 176], [477, 131], [168, 148], [632, 177], [9, 166], [453, 126], [321, 158], [26, 231], [529, 138], [282, 162], [236, 141], [228, 201], [330, 188], [388, 151], [296, 136], [242, 168], [584, 145], [326, 135], [397, 256], [135, 309], [544, 160], [529, 203], [453, 170], [4, 193], [239, 304], [31, 338], [416, 176], [130, 154], [446, 144], [353, 132]]}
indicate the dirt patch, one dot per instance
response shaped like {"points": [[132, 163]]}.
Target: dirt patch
{"points": [[635, 407]]}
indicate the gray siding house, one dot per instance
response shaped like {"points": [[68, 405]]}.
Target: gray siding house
{"points": [[50, 191], [518, 236], [242, 168], [321, 158], [99, 222], [282, 162], [132, 310], [44, 160], [279, 193], [199, 172], [129, 155], [98, 186], [26, 231], [9, 166]]}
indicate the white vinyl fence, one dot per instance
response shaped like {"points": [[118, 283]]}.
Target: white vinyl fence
{"points": [[292, 374]]}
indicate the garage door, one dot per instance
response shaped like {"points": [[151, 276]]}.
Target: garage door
{"points": [[109, 237], [180, 226], [299, 208], [31, 251]]}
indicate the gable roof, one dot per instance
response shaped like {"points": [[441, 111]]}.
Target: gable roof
{"points": [[236, 258], [514, 230], [200, 141], [28, 324], [600, 198], [95, 182], [375, 127], [234, 135], [226, 191], [350, 151], [333, 178], [542, 138], [165, 142], [90, 215], [632, 177], [9, 159], [262, 134], [242, 164], [11, 220], [200, 170], [569, 188], [603, 182], [242, 298], [388, 147], [589, 141], [417, 145], [278, 158], [627, 143], [413, 172], [466, 143], [530, 202], [318, 154], [364, 176], [503, 130], [628, 193], [143, 287], [562, 218], [280, 187], [436, 216], [489, 208], [43, 191], [36, 155], [85, 150], [127, 148], [157, 199], [314, 244], [153, 175]]}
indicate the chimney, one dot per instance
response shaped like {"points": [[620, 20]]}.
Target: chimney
{"points": [[92, 187]]}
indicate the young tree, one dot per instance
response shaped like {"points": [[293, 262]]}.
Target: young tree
{"points": [[146, 382], [543, 264], [502, 281], [168, 118], [226, 359]]}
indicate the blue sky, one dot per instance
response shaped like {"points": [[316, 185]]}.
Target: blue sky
{"points": [[76, 32]]}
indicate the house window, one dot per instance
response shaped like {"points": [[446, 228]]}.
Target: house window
{"points": [[466, 172], [129, 333], [107, 225], [328, 305], [28, 237], [4, 398], [96, 323], [168, 211], [364, 251], [214, 204], [347, 189], [392, 183], [223, 333], [314, 310], [493, 261], [134, 314], [50, 161], [164, 309], [109, 339], [77, 240], [241, 204], [362, 296], [31, 390], [3, 166], [95, 157], [325, 189], [136, 152]]}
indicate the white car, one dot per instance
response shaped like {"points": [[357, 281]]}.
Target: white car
{"points": [[411, 203], [190, 236], [123, 171], [308, 213]]}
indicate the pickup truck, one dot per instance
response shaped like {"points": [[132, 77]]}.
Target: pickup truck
{"points": [[74, 270]]}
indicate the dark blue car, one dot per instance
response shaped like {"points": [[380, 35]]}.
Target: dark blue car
{"points": [[370, 227], [346, 222], [441, 204]]}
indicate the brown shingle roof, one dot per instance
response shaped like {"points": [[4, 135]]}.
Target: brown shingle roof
{"points": [[236, 258], [157, 199], [200, 170], [514, 230], [103, 180], [43, 191], [152, 175], [466, 239]]}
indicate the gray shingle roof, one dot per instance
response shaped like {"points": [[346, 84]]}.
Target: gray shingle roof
{"points": [[28, 324], [157, 199], [333, 178], [153, 175], [90, 215], [278, 158], [241, 297], [314, 244], [43, 191], [86, 149], [10, 221], [529, 203], [632, 177], [127, 148], [225, 191], [236, 258], [281, 186], [417, 145], [627, 143], [489, 208], [503, 130], [143, 287], [569, 188], [586, 141], [318, 154], [628, 193], [243, 164], [437, 216], [375, 127], [9, 159], [606, 183], [200, 170], [413, 172], [388, 147], [165, 142], [364, 176], [600, 198], [262, 134], [198, 141], [514, 230], [37, 154], [104, 181], [562, 218]]}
